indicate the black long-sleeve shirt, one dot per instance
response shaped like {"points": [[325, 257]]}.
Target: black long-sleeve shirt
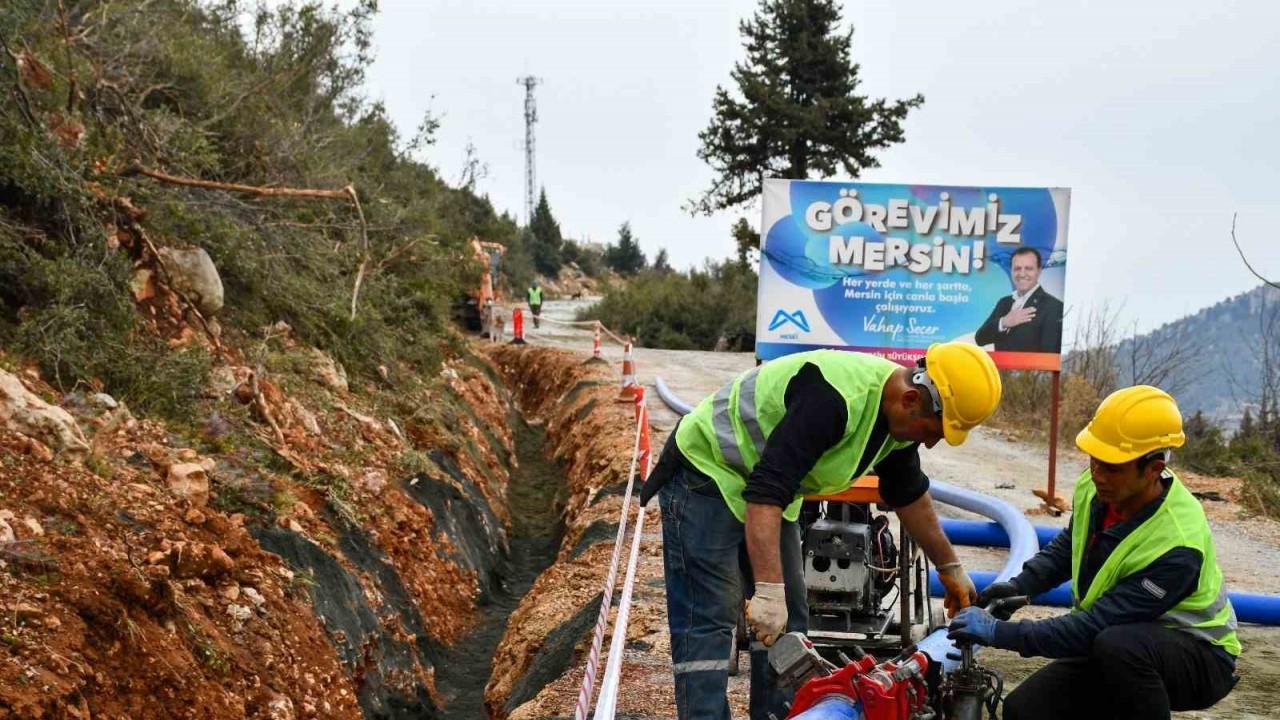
{"points": [[814, 422], [1141, 597]]}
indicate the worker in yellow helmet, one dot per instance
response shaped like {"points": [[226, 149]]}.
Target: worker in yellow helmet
{"points": [[1152, 629], [732, 477]]}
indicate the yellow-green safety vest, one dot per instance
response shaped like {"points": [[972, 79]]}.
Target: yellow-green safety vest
{"points": [[1179, 522], [535, 296], [725, 434]]}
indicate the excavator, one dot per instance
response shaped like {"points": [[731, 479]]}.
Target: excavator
{"points": [[471, 311]]}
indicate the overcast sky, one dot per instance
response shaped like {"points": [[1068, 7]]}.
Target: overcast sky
{"points": [[1162, 117]]}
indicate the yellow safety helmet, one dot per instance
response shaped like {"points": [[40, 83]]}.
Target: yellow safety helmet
{"points": [[967, 384], [1131, 423]]}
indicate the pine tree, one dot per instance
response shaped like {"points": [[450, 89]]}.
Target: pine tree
{"points": [[747, 239], [1247, 429], [625, 257], [797, 111], [547, 242], [661, 264]]}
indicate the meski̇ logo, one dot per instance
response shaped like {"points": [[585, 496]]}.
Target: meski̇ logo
{"points": [[782, 317]]}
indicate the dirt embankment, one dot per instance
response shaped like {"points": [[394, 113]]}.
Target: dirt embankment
{"points": [[592, 437], [309, 550]]}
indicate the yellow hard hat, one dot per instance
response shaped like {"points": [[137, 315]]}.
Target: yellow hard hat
{"points": [[968, 386], [1131, 423]]}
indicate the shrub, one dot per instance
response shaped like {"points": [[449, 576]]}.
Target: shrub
{"points": [[179, 88], [684, 311]]}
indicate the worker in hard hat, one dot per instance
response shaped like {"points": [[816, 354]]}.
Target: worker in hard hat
{"points": [[731, 479], [535, 301], [1151, 629]]}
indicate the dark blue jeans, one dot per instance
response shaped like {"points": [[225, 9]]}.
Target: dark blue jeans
{"points": [[704, 553]]}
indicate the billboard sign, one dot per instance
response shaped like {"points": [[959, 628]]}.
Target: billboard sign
{"points": [[891, 269]]}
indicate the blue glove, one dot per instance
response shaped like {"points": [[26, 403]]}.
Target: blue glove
{"points": [[973, 624]]}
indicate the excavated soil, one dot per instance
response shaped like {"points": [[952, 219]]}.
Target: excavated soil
{"points": [[323, 555]]}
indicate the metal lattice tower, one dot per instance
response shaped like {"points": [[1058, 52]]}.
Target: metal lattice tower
{"points": [[530, 117]]}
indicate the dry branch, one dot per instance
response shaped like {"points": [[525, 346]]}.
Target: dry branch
{"points": [[364, 249], [301, 193], [1245, 259], [346, 193]]}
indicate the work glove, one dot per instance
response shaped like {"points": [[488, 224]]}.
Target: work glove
{"points": [[997, 591], [974, 625], [767, 612], [960, 590]]}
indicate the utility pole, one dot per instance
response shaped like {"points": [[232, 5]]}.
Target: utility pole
{"points": [[530, 117]]}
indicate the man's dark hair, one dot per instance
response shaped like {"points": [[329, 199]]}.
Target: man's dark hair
{"points": [[1027, 251]]}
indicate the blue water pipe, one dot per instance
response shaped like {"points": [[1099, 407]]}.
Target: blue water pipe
{"points": [[1249, 607], [1022, 541], [834, 707], [677, 405], [989, 534]]}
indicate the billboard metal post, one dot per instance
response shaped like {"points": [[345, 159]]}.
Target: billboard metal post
{"points": [[1053, 438]]}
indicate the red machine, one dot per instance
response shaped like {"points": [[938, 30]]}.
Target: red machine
{"points": [[890, 690]]}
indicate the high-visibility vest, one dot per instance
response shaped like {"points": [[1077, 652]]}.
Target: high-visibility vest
{"points": [[725, 434], [535, 296], [1179, 522]]}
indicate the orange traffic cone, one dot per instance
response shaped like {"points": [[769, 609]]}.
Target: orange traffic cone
{"points": [[629, 384], [596, 358], [642, 417], [517, 327]]}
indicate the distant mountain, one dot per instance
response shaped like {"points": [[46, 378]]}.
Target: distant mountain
{"points": [[1211, 361]]}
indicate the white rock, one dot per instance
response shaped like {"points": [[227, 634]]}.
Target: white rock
{"points": [[104, 400], [223, 380], [239, 612], [254, 596], [306, 418], [395, 429], [194, 275], [375, 481], [280, 708], [191, 481], [327, 371], [33, 526], [22, 411], [6, 533]]}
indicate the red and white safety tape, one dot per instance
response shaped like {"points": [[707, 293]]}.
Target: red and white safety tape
{"points": [[606, 600], [586, 324], [607, 703]]}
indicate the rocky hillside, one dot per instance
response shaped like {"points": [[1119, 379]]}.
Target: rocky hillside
{"points": [[1223, 354], [311, 550]]}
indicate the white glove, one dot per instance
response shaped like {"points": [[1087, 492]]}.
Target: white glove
{"points": [[767, 612]]}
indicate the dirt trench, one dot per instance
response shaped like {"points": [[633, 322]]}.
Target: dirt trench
{"points": [[591, 436], [534, 495], [365, 569]]}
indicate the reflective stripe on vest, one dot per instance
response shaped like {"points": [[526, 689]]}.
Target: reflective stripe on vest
{"points": [[722, 421], [725, 435], [1178, 522]]}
